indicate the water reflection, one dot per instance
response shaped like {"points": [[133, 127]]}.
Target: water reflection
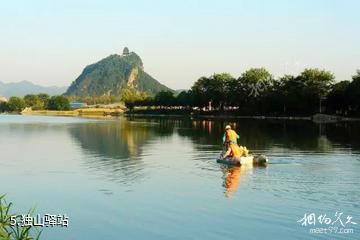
{"points": [[167, 171], [264, 134], [114, 140], [114, 148], [231, 178], [117, 147]]}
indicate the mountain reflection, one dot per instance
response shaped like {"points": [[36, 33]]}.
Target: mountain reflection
{"points": [[116, 140], [113, 149]]}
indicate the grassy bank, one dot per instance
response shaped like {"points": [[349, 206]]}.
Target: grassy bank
{"points": [[180, 113], [9, 231], [77, 112]]}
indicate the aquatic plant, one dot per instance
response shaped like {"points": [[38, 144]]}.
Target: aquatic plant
{"points": [[11, 231]]}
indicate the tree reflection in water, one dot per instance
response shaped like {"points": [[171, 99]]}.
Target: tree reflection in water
{"points": [[117, 147]]}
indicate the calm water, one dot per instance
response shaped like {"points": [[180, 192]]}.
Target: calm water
{"points": [[158, 179]]}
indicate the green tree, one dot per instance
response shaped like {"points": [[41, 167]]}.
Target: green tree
{"points": [[16, 104], [256, 81], [59, 103], [255, 84], [235, 94], [289, 90], [200, 92], [44, 98], [221, 93], [337, 101], [34, 102], [353, 93], [356, 77], [31, 100], [213, 89], [184, 99], [131, 97], [317, 81], [255, 75], [165, 98], [275, 100], [317, 84], [4, 107]]}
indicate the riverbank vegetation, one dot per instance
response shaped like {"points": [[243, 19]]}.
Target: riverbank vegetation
{"points": [[8, 231], [42, 104], [257, 92], [35, 102]]}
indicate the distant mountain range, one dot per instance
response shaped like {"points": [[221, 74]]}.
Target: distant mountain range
{"points": [[22, 88], [111, 74]]}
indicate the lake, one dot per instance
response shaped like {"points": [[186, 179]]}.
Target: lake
{"points": [[158, 179]]}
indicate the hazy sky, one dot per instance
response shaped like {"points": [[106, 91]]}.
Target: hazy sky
{"points": [[50, 42]]}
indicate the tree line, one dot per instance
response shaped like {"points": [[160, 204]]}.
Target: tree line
{"points": [[257, 92], [40, 101], [254, 92], [43, 101]]}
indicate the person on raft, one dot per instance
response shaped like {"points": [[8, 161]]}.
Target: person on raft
{"points": [[230, 135], [230, 139]]}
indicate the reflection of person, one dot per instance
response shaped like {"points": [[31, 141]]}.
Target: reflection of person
{"points": [[231, 181]]}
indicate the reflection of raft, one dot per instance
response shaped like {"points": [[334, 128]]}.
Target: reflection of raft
{"points": [[260, 160]]}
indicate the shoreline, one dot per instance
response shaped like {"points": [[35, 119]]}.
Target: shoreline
{"points": [[318, 118], [85, 112], [110, 113]]}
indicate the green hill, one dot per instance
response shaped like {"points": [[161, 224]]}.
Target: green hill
{"points": [[111, 74]]}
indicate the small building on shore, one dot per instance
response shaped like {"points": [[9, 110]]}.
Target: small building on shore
{"points": [[77, 104], [3, 99]]}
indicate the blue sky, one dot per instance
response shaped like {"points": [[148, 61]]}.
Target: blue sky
{"points": [[50, 42]]}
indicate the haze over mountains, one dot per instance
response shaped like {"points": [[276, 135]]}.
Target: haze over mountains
{"points": [[113, 73], [22, 88]]}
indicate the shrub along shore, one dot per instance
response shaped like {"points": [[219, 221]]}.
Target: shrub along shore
{"points": [[76, 112], [255, 94]]}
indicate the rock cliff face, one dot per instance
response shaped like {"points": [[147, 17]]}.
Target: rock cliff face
{"points": [[133, 75], [111, 74]]}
